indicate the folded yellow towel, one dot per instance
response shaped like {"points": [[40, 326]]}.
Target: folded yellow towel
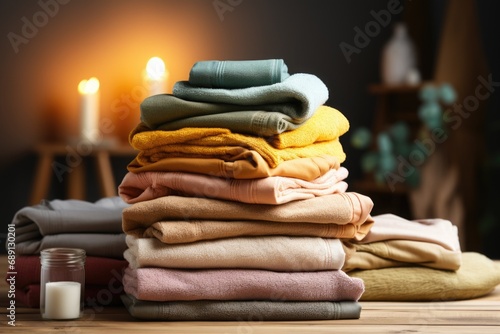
{"points": [[219, 143], [326, 124], [476, 277]]}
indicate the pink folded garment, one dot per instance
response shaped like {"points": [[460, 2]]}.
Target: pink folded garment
{"points": [[162, 284], [137, 187], [277, 253], [392, 227]]}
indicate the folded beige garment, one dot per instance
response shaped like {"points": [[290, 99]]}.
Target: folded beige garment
{"points": [[398, 253], [476, 277], [276, 253], [392, 227], [344, 208], [174, 232]]}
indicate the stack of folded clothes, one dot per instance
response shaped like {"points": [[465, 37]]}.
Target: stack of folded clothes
{"points": [[418, 260], [238, 202], [94, 227]]}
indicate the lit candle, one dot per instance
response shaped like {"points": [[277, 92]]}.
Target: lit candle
{"points": [[62, 300], [155, 76], [89, 91]]}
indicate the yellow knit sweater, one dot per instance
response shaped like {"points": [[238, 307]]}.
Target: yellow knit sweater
{"points": [[318, 136]]}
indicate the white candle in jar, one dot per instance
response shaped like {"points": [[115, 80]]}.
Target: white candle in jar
{"points": [[89, 91], [62, 300], [155, 76]]}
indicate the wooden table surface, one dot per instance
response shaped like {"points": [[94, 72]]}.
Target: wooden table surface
{"points": [[481, 315]]}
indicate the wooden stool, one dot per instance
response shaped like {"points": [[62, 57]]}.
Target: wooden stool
{"points": [[75, 169]]}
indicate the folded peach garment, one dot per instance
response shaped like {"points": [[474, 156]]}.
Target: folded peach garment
{"points": [[392, 227], [138, 187]]}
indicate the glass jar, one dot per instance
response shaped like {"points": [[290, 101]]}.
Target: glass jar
{"points": [[62, 283]]}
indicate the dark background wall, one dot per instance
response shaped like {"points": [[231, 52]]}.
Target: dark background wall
{"points": [[113, 40]]}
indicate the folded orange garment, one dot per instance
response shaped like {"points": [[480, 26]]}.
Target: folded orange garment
{"points": [[174, 219], [250, 165], [220, 143]]}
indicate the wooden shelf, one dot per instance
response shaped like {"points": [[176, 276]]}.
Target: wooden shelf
{"points": [[395, 89], [394, 103], [74, 168]]}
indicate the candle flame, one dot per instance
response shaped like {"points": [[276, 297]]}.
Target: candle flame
{"points": [[155, 68], [90, 86]]}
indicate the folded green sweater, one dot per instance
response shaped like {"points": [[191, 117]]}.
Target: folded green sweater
{"points": [[298, 96], [476, 277], [246, 310], [238, 73]]}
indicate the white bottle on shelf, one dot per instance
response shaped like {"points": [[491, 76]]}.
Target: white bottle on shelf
{"points": [[399, 61]]}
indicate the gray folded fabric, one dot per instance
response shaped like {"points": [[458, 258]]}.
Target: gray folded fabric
{"points": [[241, 310], [95, 227], [168, 112], [94, 244], [69, 216], [238, 73], [303, 92]]}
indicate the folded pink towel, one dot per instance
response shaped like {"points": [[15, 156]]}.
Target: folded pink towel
{"points": [[138, 187], [162, 284], [392, 227], [277, 253]]}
